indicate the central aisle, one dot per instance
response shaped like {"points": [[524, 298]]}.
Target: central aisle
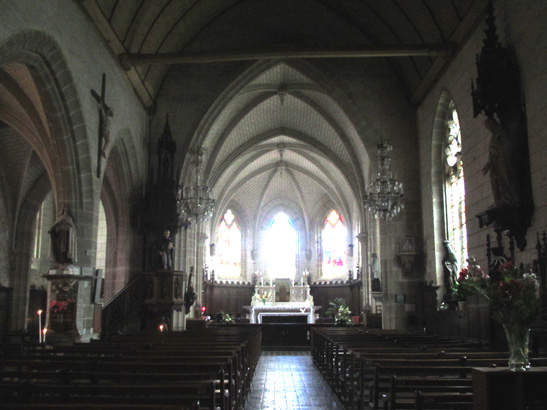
{"points": [[288, 380]]}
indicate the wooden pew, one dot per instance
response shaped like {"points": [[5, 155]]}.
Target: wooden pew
{"points": [[209, 358], [185, 393]]}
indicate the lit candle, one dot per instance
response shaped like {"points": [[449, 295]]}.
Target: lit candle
{"points": [[161, 328], [39, 325], [44, 331]]}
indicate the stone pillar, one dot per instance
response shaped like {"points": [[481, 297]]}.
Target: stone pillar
{"points": [[365, 277], [201, 255]]}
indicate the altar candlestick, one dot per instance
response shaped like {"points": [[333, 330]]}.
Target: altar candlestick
{"points": [[44, 331], [39, 325]]}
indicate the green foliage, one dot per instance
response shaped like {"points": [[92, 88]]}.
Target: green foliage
{"points": [[340, 311], [225, 318]]}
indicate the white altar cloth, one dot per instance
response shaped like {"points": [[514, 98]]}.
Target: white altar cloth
{"points": [[258, 311]]}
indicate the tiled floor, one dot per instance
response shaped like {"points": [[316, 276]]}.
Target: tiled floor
{"points": [[288, 380]]}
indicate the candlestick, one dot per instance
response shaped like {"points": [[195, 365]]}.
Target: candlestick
{"points": [[44, 332], [39, 325]]}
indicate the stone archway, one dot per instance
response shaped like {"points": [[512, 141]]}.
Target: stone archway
{"points": [[39, 102]]}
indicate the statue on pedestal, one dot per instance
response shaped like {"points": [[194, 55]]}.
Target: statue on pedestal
{"points": [[450, 271], [63, 240], [165, 251]]}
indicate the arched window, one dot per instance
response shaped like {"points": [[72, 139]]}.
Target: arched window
{"points": [[280, 247], [228, 250], [454, 188], [334, 244], [100, 261]]}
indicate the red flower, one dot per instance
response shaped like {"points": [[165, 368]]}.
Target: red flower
{"points": [[59, 306]]}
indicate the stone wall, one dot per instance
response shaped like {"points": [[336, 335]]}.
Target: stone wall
{"points": [[523, 29]]}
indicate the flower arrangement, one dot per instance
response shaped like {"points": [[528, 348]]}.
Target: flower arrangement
{"points": [[511, 293], [59, 306], [225, 318], [513, 297], [264, 296], [340, 311]]}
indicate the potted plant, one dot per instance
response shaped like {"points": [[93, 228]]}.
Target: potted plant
{"points": [[340, 311]]}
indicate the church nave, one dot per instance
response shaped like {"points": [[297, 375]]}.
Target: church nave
{"points": [[288, 380]]}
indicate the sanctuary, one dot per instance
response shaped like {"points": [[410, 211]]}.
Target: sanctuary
{"points": [[282, 298]]}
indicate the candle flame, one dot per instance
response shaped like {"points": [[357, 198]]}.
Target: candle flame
{"points": [[44, 331], [39, 311], [161, 328]]}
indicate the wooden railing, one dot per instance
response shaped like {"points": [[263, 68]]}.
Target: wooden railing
{"points": [[123, 311]]}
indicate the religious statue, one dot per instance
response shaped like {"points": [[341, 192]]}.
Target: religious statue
{"points": [[190, 295], [503, 175], [165, 251], [63, 239], [375, 266], [105, 114], [450, 269]]}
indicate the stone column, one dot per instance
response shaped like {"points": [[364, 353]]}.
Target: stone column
{"points": [[201, 255], [362, 237]]}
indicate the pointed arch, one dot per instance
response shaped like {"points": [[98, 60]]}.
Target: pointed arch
{"points": [[115, 195], [69, 156], [334, 246], [439, 173], [229, 247]]}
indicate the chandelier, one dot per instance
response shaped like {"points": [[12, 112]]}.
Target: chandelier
{"points": [[195, 202], [384, 196]]}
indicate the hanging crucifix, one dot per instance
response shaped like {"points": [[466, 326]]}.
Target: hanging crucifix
{"points": [[105, 113]]}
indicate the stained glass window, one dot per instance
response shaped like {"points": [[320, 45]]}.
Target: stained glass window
{"points": [[334, 244], [228, 250], [454, 188], [280, 247]]}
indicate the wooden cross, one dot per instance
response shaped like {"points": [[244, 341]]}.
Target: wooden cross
{"points": [[104, 130]]}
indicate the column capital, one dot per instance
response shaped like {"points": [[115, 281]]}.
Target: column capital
{"points": [[362, 237]]}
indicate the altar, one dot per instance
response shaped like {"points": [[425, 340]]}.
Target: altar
{"points": [[282, 298]]}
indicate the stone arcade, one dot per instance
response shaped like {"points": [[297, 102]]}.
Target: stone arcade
{"points": [[160, 159]]}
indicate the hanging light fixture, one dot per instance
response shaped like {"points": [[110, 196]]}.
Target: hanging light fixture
{"points": [[196, 202], [384, 196]]}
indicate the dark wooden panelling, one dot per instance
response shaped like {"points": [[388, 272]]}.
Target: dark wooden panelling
{"points": [[5, 301], [323, 293], [227, 297], [232, 297]]}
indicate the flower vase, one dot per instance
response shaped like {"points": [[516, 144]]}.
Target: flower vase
{"points": [[518, 336]]}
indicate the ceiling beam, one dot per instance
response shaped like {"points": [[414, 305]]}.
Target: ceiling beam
{"points": [[116, 47], [412, 50]]}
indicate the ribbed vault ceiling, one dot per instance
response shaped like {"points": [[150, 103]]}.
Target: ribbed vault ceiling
{"points": [[281, 139]]}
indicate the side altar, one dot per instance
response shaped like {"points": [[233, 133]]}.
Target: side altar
{"points": [[282, 298]]}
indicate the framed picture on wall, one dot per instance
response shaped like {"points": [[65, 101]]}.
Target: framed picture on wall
{"points": [[282, 290], [407, 245]]}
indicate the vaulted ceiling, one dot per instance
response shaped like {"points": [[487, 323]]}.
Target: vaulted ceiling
{"points": [[278, 139], [418, 37]]}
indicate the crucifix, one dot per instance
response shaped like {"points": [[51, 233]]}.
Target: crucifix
{"points": [[105, 113]]}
